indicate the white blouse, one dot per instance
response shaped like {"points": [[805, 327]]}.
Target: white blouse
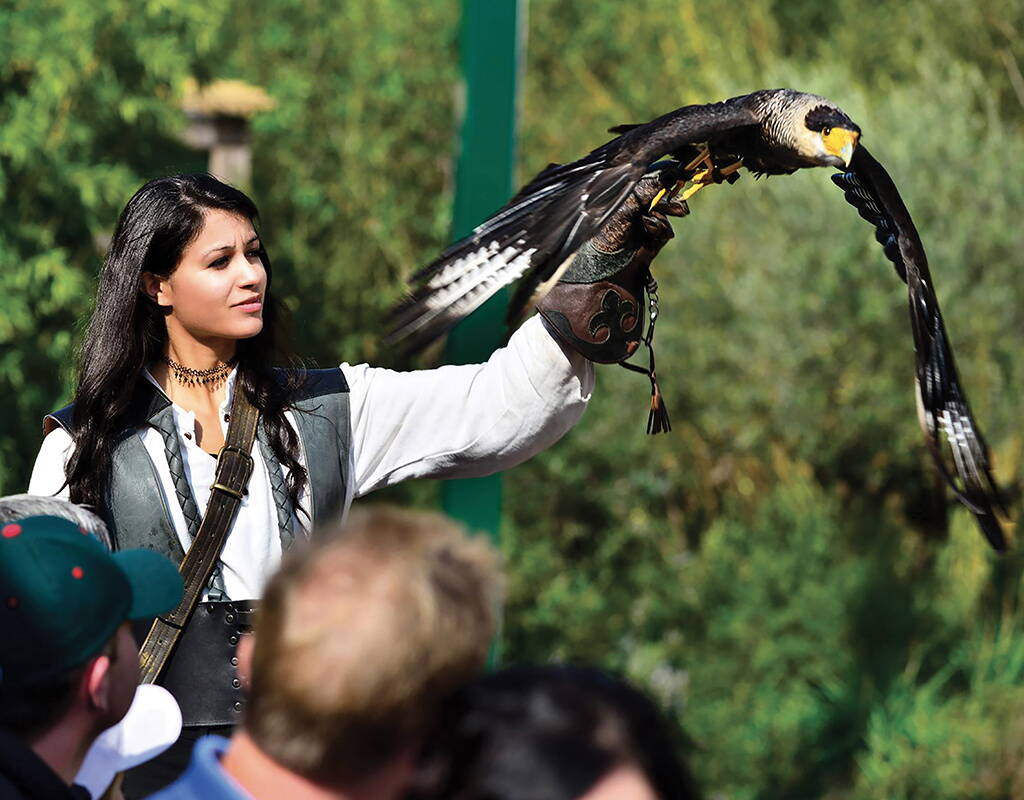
{"points": [[449, 422]]}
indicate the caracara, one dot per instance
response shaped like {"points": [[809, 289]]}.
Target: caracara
{"points": [[769, 132]]}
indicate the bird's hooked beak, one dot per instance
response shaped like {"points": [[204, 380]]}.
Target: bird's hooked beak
{"points": [[840, 142]]}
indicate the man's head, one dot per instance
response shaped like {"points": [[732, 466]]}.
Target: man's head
{"points": [[360, 635], [66, 649], [19, 506]]}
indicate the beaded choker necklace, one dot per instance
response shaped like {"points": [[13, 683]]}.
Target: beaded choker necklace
{"points": [[196, 377]]}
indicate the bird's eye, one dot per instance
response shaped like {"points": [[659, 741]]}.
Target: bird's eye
{"points": [[826, 131]]}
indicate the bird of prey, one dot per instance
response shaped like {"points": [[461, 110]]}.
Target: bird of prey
{"points": [[773, 132], [769, 132]]}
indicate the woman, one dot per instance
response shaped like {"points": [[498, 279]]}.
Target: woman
{"points": [[185, 316]]}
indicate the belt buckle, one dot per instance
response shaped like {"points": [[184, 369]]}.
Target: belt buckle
{"points": [[222, 464]]}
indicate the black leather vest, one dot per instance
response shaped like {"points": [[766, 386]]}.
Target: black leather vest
{"points": [[137, 513], [201, 673]]}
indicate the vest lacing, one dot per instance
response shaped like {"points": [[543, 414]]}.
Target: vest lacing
{"points": [[164, 422]]}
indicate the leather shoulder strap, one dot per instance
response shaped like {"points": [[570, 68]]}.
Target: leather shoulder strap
{"points": [[234, 468]]}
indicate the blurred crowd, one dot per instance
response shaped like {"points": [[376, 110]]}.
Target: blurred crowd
{"points": [[364, 676]]}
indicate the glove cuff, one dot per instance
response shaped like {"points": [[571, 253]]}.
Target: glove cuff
{"points": [[593, 264]]}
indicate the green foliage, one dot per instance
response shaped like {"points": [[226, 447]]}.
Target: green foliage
{"points": [[784, 570], [352, 167], [87, 111], [956, 735]]}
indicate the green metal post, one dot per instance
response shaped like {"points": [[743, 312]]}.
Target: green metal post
{"points": [[483, 183]]}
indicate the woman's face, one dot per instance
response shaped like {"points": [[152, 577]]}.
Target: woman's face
{"points": [[216, 292]]}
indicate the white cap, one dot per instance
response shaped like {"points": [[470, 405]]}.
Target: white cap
{"points": [[152, 724]]}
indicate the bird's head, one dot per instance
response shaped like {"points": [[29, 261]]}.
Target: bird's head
{"points": [[812, 128], [830, 136]]}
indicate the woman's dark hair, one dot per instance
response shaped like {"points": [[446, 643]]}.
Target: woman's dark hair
{"points": [[548, 733], [127, 332]]}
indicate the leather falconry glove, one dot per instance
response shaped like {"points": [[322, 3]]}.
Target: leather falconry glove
{"points": [[597, 306]]}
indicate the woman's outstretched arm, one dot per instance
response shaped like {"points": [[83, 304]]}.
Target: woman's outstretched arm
{"points": [[465, 421]]}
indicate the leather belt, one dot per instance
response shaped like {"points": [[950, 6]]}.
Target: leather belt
{"points": [[202, 673]]}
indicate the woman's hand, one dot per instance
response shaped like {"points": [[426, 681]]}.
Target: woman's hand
{"points": [[597, 305]]}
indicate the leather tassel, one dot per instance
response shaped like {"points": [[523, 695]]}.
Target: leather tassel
{"points": [[657, 419]]}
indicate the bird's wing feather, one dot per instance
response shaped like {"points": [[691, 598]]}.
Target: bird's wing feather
{"points": [[547, 221], [942, 403]]}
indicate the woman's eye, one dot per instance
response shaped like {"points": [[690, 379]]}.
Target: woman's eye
{"points": [[254, 254], [220, 262]]}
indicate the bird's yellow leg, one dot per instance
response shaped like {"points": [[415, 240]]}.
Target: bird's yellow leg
{"points": [[706, 176], [699, 181], [703, 157], [729, 170], [701, 177]]}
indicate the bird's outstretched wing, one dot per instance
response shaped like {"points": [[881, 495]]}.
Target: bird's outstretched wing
{"points": [[543, 226], [942, 404]]}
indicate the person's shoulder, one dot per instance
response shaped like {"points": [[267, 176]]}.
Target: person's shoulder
{"points": [[204, 779], [307, 384], [24, 774], [8, 791], [48, 472], [63, 418]]}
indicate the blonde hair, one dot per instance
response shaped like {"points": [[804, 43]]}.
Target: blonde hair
{"points": [[361, 634]]}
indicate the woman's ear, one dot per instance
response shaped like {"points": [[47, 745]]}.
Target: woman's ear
{"points": [[155, 288]]}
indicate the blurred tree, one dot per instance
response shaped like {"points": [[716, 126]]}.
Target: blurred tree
{"points": [[88, 93], [352, 169]]}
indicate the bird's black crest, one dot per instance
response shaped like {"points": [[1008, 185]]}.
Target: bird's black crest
{"points": [[821, 117]]}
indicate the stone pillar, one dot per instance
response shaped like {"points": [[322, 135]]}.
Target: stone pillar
{"points": [[218, 122]]}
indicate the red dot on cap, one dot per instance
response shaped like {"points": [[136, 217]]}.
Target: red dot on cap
{"points": [[12, 602], [77, 573], [11, 530], [83, 531]]}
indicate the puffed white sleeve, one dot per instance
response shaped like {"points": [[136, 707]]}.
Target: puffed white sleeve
{"points": [[465, 421], [48, 472]]}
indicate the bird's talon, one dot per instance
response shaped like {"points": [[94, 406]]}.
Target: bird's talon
{"points": [[656, 199], [700, 180]]}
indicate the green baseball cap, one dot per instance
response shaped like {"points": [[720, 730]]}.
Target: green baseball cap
{"points": [[63, 595]]}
